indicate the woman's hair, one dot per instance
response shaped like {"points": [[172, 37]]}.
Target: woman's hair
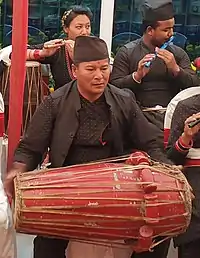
{"points": [[73, 12]]}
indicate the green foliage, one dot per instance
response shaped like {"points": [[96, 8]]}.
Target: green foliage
{"points": [[40, 38], [193, 51]]}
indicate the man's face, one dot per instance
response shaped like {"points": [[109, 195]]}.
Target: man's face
{"points": [[78, 26], [162, 32], [92, 77]]}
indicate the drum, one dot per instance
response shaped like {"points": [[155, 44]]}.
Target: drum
{"points": [[119, 203], [33, 92]]}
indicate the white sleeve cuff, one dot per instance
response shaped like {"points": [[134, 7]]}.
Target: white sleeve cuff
{"points": [[133, 75]]}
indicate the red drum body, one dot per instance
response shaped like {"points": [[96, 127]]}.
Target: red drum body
{"points": [[104, 201]]}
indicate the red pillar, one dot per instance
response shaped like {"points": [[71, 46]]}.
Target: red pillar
{"points": [[17, 74]]}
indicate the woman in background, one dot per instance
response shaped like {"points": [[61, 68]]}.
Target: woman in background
{"points": [[58, 53]]}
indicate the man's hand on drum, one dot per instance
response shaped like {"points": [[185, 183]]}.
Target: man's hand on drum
{"points": [[9, 180], [50, 47], [9, 186], [189, 133], [138, 158]]}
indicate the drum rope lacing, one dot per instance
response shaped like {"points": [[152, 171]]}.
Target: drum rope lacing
{"points": [[34, 86], [32, 78]]}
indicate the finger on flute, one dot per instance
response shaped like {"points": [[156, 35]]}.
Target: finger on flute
{"points": [[194, 123]]}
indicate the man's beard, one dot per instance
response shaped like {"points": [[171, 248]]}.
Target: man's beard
{"points": [[156, 43]]}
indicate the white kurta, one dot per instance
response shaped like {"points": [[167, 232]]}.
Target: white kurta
{"points": [[84, 250], [7, 233]]}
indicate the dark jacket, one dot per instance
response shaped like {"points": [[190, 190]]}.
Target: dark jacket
{"points": [[55, 123], [159, 86], [185, 109]]}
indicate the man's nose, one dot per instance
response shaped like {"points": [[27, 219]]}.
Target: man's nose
{"points": [[98, 74]]}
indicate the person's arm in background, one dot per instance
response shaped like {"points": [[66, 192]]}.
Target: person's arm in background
{"points": [[181, 136], [186, 76], [47, 53]]}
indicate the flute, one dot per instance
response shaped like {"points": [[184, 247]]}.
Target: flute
{"points": [[62, 42], [164, 46], [193, 123]]}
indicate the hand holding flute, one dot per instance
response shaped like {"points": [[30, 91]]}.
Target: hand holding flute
{"points": [[141, 69], [164, 46], [52, 46], [191, 128], [168, 57]]}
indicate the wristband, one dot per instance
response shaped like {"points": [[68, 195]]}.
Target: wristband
{"points": [[181, 146], [36, 54], [133, 75]]}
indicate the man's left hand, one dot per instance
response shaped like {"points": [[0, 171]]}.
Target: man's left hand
{"points": [[138, 158], [169, 60]]}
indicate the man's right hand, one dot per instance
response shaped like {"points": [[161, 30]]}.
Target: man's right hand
{"points": [[142, 70], [9, 187], [17, 168]]}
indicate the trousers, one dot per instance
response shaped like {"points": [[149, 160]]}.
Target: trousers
{"points": [[189, 250], [49, 247]]}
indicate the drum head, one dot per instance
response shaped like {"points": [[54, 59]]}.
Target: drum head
{"points": [[32, 64]]}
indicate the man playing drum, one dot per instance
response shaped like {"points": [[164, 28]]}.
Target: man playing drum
{"points": [[85, 120]]}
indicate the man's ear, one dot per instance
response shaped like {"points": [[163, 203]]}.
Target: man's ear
{"points": [[74, 70], [149, 30]]}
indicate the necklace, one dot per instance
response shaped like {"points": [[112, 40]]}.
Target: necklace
{"points": [[68, 64]]}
